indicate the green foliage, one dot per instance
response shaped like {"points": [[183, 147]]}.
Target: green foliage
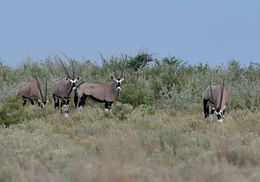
{"points": [[166, 82], [121, 110], [175, 98], [172, 141], [11, 111], [138, 62], [147, 110], [135, 94]]}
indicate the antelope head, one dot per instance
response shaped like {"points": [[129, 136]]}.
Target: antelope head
{"points": [[116, 79], [72, 79]]}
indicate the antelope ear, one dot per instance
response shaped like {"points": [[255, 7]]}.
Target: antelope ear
{"points": [[122, 79]]}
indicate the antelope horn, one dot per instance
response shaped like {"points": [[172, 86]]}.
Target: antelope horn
{"points": [[221, 96], [123, 67], [68, 75], [45, 89], [73, 71], [212, 95], [38, 85], [113, 68]]}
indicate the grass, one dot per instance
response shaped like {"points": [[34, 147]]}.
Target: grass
{"points": [[146, 144]]}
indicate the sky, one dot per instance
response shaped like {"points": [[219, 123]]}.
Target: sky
{"points": [[210, 32]]}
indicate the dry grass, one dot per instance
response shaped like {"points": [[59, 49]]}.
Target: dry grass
{"points": [[149, 145]]}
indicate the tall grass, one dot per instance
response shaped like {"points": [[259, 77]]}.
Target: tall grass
{"points": [[168, 144]]}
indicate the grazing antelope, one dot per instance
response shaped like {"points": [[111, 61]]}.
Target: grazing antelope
{"points": [[33, 91], [63, 88], [106, 92], [217, 97]]}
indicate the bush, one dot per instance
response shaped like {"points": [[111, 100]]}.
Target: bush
{"points": [[11, 111], [169, 81], [121, 110], [139, 62], [147, 110], [135, 94], [174, 98]]}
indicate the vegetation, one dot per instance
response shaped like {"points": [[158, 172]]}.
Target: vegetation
{"points": [[165, 82], [155, 131], [11, 111], [146, 144]]}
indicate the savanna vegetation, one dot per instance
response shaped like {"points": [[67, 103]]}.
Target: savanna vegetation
{"points": [[155, 131]]}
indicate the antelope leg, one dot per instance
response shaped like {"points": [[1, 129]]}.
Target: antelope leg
{"points": [[110, 105], [106, 106], [66, 108], [32, 102], [82, 101], [206, 108], [62, 103], [211, 113], [24, 101], [56, 102]]}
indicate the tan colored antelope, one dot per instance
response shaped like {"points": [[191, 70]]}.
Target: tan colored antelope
{"points": [[106, 92], [215, 96], [32, 91], [63, 88]]}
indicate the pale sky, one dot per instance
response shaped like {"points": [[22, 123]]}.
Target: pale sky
{"points": [[204, 31]]}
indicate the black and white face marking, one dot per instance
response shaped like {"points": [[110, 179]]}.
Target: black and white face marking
{"points": [[43, 104], [73, 82], [118, 83], [219, 115]]}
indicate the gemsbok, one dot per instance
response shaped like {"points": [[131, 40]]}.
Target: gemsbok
{"points": [[215, 96], [63, 89], [106, 92], [32, 91]]}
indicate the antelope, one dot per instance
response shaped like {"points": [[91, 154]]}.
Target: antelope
{"points": [[217, 97], [32, 91], [106, 92], [63, 88]]}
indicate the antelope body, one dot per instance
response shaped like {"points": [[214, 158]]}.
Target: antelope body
{"points": [[106, 92], [32, 91], [101, 92], [63, 88], [215, 96]]}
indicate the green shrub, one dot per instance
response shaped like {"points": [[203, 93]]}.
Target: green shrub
{"points": [[135, 94], [138, 62], [121, 110], [147, 110], [167, 82], [11, 111], [174, 98]]}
